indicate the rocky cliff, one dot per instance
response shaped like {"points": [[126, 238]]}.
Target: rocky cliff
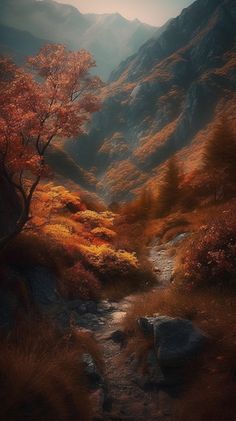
{"points": [[160, 100]]}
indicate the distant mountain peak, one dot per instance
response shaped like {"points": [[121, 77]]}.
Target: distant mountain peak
{"points": [[100, 34]]}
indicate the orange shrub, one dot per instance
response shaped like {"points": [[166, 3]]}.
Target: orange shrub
{"points": [[78, 282], [209, 257]]}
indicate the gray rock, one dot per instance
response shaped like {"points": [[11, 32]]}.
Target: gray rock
{"points": [[118, 336], [89, 321], [175, 340], [179, 238], [146, 324], [105, 307], [91, 307], [94, 376]]}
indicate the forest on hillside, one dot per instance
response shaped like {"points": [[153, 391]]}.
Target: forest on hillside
{"points": [[118, 266]]}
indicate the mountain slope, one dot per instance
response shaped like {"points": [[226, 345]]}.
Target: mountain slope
{"points": [[161, 99], [100, 34], [18, 44]]}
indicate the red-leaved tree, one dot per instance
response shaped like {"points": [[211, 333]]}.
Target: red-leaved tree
{"points": [[53, 100]]}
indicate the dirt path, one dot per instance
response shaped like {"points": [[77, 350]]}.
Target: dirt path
{"points": [[162, 262], [128, 400]]}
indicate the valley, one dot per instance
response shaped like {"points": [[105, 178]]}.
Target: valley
{"points": [[164, 100], [117, 213], [61, 23]]}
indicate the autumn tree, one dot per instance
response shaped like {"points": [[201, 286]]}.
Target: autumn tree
{"points": [[219, 160], [52, 100], [169, 189]]}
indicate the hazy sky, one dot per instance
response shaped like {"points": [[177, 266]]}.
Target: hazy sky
{"points": [[154, 12]]}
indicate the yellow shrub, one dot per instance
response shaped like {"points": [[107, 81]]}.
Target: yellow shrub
{"points": [[95, 219], [58, 231], [104, 233], [110, 262]]}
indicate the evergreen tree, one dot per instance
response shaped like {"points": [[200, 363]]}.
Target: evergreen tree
{"points": [[219, 160], [145, 203], [169, 189]]}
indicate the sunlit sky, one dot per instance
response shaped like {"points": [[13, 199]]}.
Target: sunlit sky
{"points": [[154, 12]]}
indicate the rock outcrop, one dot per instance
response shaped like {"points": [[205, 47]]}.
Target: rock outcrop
{"points": [[176, 341]]}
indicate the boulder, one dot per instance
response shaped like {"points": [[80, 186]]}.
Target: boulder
{"points": [[176, 340]]}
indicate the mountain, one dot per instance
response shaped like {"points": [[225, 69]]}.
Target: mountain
{"points": [[18, 44], [164, 100], [110, 38]]}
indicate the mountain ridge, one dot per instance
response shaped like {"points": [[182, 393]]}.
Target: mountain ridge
{"points": [[100, 34], [162, 98]]}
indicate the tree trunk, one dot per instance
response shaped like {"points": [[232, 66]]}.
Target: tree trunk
{"points": [[13, 214]]}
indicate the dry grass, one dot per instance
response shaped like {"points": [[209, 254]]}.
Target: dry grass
{"points": [[42, 374], [133, 283], [210, 393], [181, 221]]}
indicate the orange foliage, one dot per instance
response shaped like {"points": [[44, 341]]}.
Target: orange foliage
{"points": [[79, 283], [209, 256], [56, 104]]}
